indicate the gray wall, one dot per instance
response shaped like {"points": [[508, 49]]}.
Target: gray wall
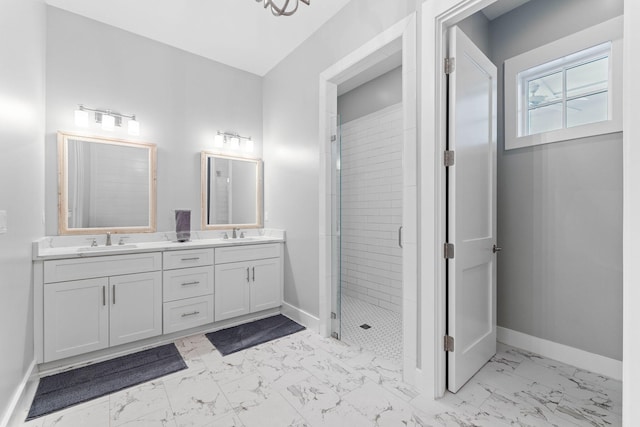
{"points": [[180, 99], [379, 93], [291, 151], [559, 207], [22, 44], [476, 27]]}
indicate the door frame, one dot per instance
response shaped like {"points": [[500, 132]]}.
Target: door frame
{"points": [[378, 48], [436, 17]]}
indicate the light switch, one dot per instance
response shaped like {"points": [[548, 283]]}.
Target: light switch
{"points": [[3, 222]]}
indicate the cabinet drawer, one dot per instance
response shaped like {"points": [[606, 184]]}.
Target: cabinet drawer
{"points": [[102, 266], [187, 258], [187, 283], [247, 253], [187, 313]]}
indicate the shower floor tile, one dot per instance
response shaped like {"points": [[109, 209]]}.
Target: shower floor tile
{"points": [[384, 337]]}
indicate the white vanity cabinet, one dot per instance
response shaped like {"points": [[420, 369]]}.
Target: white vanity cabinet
{"points": [[136, 307], [76, 317], [90, 305], [188, 289], [248, 279], [98, 302]]}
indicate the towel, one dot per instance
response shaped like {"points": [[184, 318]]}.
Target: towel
{"points": [[183, 225]]}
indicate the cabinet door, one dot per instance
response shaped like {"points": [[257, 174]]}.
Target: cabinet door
{"points": [[231, 290], [266, 284], [136, 307], [76, 318]]}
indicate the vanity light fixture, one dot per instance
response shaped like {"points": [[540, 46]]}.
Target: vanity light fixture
{"points": [[286, 8], [233, 141], [108, 119]]}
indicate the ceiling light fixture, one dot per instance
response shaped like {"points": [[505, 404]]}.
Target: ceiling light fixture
{"points": [[287, 8], [107, 119]]}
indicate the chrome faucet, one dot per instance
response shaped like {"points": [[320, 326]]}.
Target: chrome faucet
{"points": [[235, 233], [108, 239]]}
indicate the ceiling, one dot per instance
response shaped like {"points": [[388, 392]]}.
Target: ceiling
{"points": [[239, 33], [501, 7]]}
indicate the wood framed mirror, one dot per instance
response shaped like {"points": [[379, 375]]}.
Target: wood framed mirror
{"points": [[105, 185], [232, 192]]}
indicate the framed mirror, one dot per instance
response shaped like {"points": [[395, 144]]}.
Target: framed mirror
{"points": [[105, 185], [231, 192]]}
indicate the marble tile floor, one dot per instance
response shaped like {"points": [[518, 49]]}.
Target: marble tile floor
{"points": [[307, 380], [384, 338]]}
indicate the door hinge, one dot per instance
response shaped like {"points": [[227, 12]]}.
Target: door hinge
{"points": [[333, 315], [449, 65], [334, 138], [449, 158], [449, 250], [335, 335], [448, 343]]}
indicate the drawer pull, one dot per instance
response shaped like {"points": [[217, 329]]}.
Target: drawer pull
{"points": [[254, 273], [190, 283], [114, 294], [190, 314], [191, 259], [247, 274], [104, 295]]}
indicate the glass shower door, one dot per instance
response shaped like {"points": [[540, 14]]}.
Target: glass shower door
{"points": [[336, 200]]}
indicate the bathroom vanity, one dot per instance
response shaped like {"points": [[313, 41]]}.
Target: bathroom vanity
{"points": [[109, 284], [95, 302]]}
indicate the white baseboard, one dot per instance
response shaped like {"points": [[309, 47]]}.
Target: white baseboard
{"points": [[17, 396], [307, 320], [563, 353]]}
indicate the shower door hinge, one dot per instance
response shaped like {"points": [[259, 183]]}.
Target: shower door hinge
{"points": [[449, 251], [448, 343], [334, 138], [335, 335], [449, 65], [449, 158], [333, 315]]}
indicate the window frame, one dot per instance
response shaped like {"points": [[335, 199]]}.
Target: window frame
{"points": [[558, 56]]}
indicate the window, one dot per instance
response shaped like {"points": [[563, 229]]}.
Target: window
{"points": [[565, 90]]}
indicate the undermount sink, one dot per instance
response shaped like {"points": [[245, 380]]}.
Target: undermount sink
{"points": [[107, 248], [245, 239]]}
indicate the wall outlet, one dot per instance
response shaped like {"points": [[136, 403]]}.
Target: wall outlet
{"points": [[3, 222]]}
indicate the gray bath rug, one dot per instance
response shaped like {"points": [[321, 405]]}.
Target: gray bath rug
{"points": [[83, 384], [238, 338]]}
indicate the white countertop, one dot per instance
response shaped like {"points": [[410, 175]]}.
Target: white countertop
{"points": [[58, 247]]}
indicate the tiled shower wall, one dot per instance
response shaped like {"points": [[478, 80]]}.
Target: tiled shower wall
{"points": [[371, 169]]}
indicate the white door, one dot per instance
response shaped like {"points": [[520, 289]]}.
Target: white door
{"points": [[231, 296], [76, 318], [136, 307], [471, 210], [265, 284]]}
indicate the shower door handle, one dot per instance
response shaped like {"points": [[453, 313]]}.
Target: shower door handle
{"points": [[400, 236]]}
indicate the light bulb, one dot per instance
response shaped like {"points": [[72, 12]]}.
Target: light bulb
{"points": [[234, 142], [81, 118], [108, 122], [218, 141], [248, 146], [134, 127]]}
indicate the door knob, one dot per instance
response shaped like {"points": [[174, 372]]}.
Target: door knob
{"points": [[496, 249]]}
